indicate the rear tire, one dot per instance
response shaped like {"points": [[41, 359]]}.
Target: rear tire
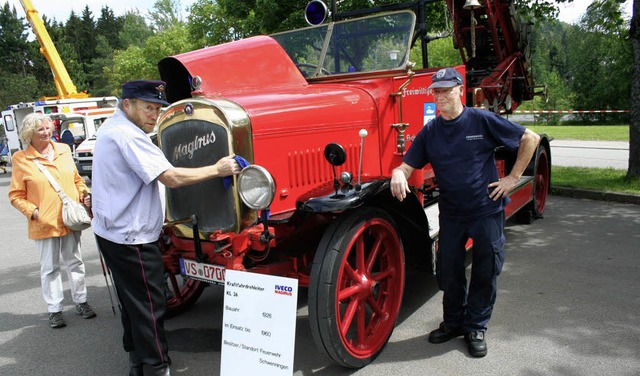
{"points": [[541, 182]]}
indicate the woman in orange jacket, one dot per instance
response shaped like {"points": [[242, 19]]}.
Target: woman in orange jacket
{"points": [[32, 194]]}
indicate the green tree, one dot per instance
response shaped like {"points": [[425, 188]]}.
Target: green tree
{"points": [[136, 63], [127, 65], [166, 14], [135, 30], [104, 58], [109, 26], [208, 24], [68, 55], [13, 41], [600, 60], [86, 39]]}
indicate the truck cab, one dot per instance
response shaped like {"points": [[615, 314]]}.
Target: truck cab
{"points": [[83, 125]]}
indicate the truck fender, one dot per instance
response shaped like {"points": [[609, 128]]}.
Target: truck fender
{"points": [[409, 216]]}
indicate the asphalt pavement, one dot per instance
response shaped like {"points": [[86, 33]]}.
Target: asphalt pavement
{"points": [[568, 304], [599, 154]]}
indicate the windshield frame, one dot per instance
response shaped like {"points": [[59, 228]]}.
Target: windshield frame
{"points": [[380, 43]]}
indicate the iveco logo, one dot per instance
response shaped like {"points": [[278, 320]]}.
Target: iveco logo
{"points": [[182, 150]]}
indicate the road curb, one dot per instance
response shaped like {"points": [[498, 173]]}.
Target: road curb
{"points": [[624, 198]]}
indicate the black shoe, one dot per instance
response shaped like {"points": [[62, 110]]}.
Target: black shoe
{"points": [[444, 333], [476, 344], [85, 310], [136, 371], [159, 370], [56, 320]]}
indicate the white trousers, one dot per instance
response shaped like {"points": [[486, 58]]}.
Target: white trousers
{"points": [[52, 252]]}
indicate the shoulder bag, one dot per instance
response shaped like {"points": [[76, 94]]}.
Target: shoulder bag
{"points": [[74, 214]]}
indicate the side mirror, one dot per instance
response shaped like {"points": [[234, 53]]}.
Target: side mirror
{"points": [[335, 154]]}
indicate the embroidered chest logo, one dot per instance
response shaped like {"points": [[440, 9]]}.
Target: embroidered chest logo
{"points": [[475, 137]]}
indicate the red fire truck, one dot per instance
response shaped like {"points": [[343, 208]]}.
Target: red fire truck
{"points": [[323, 115]]}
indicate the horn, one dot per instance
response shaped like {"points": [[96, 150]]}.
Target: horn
{"points": [[471, 4]]}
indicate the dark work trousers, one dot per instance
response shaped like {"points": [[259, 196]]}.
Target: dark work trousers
{"points": [[138, 277], [470, 309]]}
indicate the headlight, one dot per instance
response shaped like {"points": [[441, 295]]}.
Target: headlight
{"points": [[256, 187]]}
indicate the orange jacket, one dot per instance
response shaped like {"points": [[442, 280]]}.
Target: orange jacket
{"points": [[30, 189]]}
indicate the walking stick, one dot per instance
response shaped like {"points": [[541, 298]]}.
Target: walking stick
{"points": [[106, 281]]}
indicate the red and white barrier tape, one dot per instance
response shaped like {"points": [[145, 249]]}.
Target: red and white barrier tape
{"points": [[569, 111]]}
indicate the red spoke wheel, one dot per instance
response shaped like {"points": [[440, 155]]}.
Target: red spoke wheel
{"points": [[542, 181], [181, 293], [356, 286]]}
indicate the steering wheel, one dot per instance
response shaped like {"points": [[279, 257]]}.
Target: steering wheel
{"points": [[311, 68]]}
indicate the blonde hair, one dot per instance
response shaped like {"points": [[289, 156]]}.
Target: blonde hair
{"points": [[30, 123]]}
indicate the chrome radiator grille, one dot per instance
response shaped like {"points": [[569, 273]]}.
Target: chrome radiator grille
{"points": [[198, 143]]}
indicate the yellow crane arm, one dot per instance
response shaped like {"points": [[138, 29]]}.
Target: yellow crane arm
{"points": [[64, 85]]}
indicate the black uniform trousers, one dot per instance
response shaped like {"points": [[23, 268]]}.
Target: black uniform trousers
{"points": [[138, 277], [470, 308]]}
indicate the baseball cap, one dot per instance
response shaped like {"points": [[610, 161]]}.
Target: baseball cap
{"points": [[446, 77], [146, 90]]}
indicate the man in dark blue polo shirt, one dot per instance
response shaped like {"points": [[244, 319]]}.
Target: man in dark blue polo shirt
{"points": [[460, 145]]}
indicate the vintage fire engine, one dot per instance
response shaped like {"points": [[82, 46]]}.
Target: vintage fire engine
{"points": [[323, 115]]}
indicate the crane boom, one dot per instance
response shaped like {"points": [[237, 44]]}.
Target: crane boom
{"points": [[64, 85]]}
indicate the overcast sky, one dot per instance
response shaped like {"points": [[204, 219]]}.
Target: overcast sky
{"points": [[61, 9]]}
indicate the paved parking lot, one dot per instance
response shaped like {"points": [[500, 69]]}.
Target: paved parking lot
{"points": [[568, 304]]}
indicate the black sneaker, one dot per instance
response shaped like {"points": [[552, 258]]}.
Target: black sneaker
{"points": [[56, 320], [444, 333], [85, 310], [476, 344]]}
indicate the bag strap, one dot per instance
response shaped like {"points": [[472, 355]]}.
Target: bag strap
{"points": [[52, 180]]}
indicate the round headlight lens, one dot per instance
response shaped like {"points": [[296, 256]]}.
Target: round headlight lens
{"points": [[256, 187]]}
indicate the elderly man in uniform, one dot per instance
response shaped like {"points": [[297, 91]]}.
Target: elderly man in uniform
{"points": [[128, 217], [460, 145]]}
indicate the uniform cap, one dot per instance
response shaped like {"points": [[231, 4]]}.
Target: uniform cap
{"points": [[150, 91], [446, 77]]}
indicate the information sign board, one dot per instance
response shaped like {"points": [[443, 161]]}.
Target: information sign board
{"points": [[259, 324]]}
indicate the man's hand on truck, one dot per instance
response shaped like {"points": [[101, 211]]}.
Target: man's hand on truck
{"points": [[399, 184]]}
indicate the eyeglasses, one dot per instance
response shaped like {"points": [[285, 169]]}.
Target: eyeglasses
{"points": [[149, 110]]}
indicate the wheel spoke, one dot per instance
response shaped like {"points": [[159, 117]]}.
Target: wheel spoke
{"points": [[177, 294], [348, 292], [373, 255], [361, 332], [351, 273], [378, 277], [349, 313], [360, 259], [375, 307]]}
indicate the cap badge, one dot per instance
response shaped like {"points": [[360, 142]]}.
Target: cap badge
{"points": [[160, 89]]}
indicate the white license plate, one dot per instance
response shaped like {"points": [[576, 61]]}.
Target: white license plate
{"points": [[202, 272], [86, 168]]}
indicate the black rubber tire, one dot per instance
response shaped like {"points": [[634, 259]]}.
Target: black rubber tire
{"points": [[356, 287]]}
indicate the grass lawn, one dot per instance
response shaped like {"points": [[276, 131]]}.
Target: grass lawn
{"points": [[599, 179], [584, 132]]}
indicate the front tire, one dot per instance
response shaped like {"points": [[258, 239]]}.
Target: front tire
{"points": [[181, 293], [356, 287]]}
